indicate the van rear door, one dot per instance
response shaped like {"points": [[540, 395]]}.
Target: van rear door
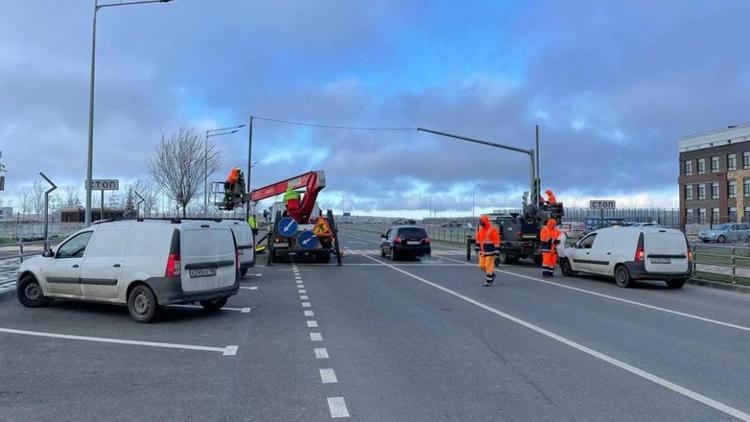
{"points": [[666, 252], [208, 257]]}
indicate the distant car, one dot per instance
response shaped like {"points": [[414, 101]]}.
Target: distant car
{"points": [[573, 230], [631, 253], [403, 241], [452, 223], [143, 264], [728, 232], [404, 222]]}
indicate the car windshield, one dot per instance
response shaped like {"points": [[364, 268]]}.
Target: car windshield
{"points": [[722, 226]]}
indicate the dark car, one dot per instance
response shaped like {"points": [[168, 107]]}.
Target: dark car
{"points": [[403, 241]]}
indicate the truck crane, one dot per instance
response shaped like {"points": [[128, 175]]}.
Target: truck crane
{"points": [[298, 228]]}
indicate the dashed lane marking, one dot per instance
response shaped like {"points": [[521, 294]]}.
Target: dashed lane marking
{"points": [[306, 304], [309, 313], [303, 297], [321, 353], [301, 291], [591, 352], [316, 337], [242, 310], [327, 376], [312, 324], [337, 406], [249, 288]]}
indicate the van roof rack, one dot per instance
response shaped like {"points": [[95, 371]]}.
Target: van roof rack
{"points": [[173, 220]]}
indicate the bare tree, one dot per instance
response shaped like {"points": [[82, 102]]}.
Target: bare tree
{"points": [[71, 197], [37, 199], [24, 195], [150, 196], [178, 163]]}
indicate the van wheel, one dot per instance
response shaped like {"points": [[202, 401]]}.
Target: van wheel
{"points": [[676, 284], [29, 292], [142, 304], [566, 268], [243, 272], [214, 305], [622, 276]]}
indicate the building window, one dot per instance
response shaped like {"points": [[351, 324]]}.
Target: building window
{"points": [[714, 215], [688, 192], [702, 216], [731, 162], [688, 168], [746, 160], [732, 214], [732, 189], [746, 187], [689, 216], [702, 165], [715, 190], [701, 191], [747, 213], [714, 164]]}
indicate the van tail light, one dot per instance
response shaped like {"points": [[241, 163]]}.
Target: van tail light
{"points": [[690, 256], [427, 240], [397, 239], [237, 258], [173, 266], [639, 252]]}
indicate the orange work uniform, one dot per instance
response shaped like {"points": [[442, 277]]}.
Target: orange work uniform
{"points": [[550, 197], [488, 240], [550, 238]]}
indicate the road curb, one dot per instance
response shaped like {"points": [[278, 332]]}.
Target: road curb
{"points": [[719, 285]]}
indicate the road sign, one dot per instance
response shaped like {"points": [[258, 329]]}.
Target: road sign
{"points": [[307, 240], [105, 184], [608, 204], [287, 227], [322, 228]]}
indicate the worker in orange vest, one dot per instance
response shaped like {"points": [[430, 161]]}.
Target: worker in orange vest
{"points": [[550, 197], [488, 240], [550, 238]]}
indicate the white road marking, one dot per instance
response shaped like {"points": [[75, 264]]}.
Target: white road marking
{"points": [[316, 337], [321, 353], [299, 282], [309, 313], [306, 304], [312, 324], [226, 351], [243, 310], [337, 406], [301, 286], [628, 301], [327, 376], [303, 297], [249, 288], [301, 291], [591, 352]]}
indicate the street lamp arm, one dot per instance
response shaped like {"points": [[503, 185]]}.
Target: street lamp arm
{"points": [[129, 3], [477, 141]]}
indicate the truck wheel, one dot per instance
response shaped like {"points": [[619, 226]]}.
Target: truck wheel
{"points": [[142, 304], [214, 305], [29, 292], [676, 284], [566, 268], [512, 259], [323, 258], [622, 276]]}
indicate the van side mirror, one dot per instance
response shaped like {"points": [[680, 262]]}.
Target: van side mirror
{"points": [[48, 253]]}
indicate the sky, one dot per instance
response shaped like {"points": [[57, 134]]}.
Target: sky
{"points": [[613, 86]]}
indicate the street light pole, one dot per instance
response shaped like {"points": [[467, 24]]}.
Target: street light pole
{"points": [[249, 165], [219, 132], [473, 195], [90, 150]]}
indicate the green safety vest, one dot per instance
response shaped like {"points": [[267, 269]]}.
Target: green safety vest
{"points": [[252, 222]]}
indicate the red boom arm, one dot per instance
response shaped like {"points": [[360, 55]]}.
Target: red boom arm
{"points": [[313, 182]]}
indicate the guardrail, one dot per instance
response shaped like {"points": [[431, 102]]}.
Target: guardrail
{"points": [[21, 252]]}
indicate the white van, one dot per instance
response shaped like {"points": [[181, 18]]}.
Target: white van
{"points": [[243, 234], [142, 263], [631, 253]]}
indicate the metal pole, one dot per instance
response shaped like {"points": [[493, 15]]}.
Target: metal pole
{"points": [[205, 178], [101, 216], [89, 162], [138, 204], [46, 205], [473, 203], [249, 165]]}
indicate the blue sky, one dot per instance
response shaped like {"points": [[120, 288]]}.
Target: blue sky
{"points": [[613, 86]]}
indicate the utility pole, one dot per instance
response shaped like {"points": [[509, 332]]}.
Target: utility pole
{"points": [[249, 165]]}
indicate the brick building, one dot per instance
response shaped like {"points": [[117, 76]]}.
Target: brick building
{"points": [[715, 176]]}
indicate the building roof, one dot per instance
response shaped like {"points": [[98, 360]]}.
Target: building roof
{"points": [[729, 135]]}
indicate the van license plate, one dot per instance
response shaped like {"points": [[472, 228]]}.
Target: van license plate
{"points": [[413, 242], [661, 260], [202, 272]]}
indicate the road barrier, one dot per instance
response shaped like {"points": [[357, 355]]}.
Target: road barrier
{"points": [[726, 264], [11, 256]]}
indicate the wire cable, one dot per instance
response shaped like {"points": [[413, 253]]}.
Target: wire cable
{"points": [[322, 126]]}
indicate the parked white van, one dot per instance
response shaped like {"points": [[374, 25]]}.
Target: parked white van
{"points": [[631, 253], [144, 264], [243, 235]]}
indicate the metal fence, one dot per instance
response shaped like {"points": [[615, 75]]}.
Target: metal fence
{"points": [[35, 230], [728, 264]]}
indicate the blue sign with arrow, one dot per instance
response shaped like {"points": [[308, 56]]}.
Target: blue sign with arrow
{"points": [[287, 227], [307, 240]]}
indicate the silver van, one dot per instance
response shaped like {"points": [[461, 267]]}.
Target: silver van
{"points": [[144, 264]]}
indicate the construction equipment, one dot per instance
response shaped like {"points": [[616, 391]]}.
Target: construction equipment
{"points": [[298, 228]]}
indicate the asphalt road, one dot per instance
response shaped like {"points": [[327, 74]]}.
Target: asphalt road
{"points": [[381, 341]]}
